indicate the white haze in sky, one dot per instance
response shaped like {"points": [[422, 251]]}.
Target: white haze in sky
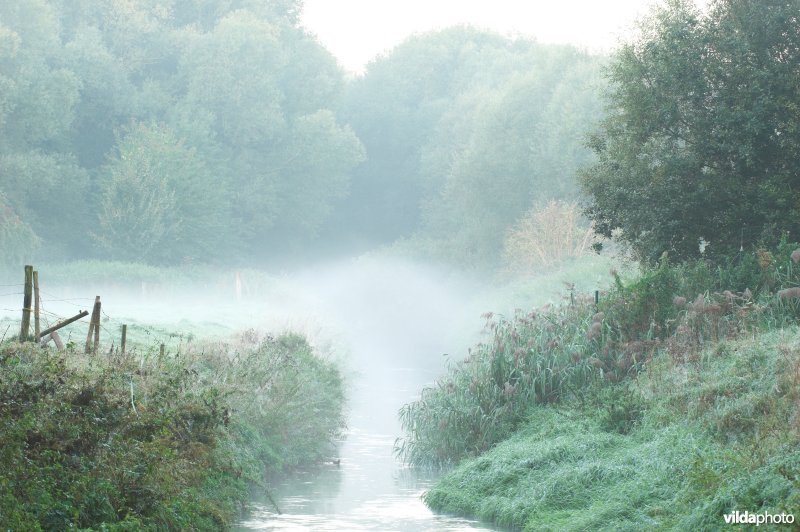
{"points": [[356, 31]]}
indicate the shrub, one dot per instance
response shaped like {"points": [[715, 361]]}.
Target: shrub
{"points": [[140, 441], [546, 236]]}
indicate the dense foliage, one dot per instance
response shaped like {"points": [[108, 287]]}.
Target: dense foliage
{"points": [[139, 442], [168, 132], [465, 132], [700, 150], [219, 131]]}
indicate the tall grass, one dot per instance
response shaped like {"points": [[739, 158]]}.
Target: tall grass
{"points": [[570, 353], [534, 358]]}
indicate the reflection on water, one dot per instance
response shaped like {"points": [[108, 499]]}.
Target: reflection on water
{"points": [[369, 489], [397, 321]]}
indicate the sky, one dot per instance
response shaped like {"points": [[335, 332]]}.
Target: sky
{"points": [[356, 31]]}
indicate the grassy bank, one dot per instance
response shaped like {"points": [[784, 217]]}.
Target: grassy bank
{"points": [[672, 402], [139, 441], [674, 449]]}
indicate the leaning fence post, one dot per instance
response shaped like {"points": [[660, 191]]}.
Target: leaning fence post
{"points": [[59, 325], [26, 304]]}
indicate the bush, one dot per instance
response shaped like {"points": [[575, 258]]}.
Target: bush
{"points": [[546, 236], [619, 409], [137, 441]]}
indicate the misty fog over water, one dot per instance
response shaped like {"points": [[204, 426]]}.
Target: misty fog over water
{"points": [[392, 326], [396, 322]]}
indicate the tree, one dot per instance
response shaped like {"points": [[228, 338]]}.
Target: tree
{"points": [[45, 189], [316, 174], [702, 141], [17, 239], [394, 108], [159, 202], [463, 130], [255, 97], [507, 148]]}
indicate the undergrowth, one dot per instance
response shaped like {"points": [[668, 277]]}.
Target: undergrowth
{"points": [[567, 353], [696, 443], [671, 404], [141, 441]]}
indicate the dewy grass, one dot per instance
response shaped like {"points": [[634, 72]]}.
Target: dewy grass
{"points": [[567, 474], [695, 388], [140, 441], [715, 436]]}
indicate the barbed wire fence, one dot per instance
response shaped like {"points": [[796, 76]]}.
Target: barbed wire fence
{"points": [[111, 327]]}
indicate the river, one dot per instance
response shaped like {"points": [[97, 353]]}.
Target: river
{"points": [[388, 324], [397, 322]]}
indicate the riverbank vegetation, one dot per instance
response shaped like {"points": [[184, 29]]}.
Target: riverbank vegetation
{"points": [[670, 402], [142, 441]]}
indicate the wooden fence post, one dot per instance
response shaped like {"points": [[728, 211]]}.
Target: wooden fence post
{"points": [[124, 336], [57, 340], [26, 304], [36, 328], [94, 326]]}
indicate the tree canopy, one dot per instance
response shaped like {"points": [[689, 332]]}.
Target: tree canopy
{"points": [[222, 131], [464, 131], [168, 131], [700, 149]]}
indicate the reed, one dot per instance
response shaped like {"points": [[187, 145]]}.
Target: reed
{"points": [[571, 353]]}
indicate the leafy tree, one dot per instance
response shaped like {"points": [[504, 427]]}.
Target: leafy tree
{"points": [[106, 95], [317, 173], [38, 103], [17, 239], [48, 191], [509, 147], [257, 102], [702, 141], [159, 202], [394, 109]]}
